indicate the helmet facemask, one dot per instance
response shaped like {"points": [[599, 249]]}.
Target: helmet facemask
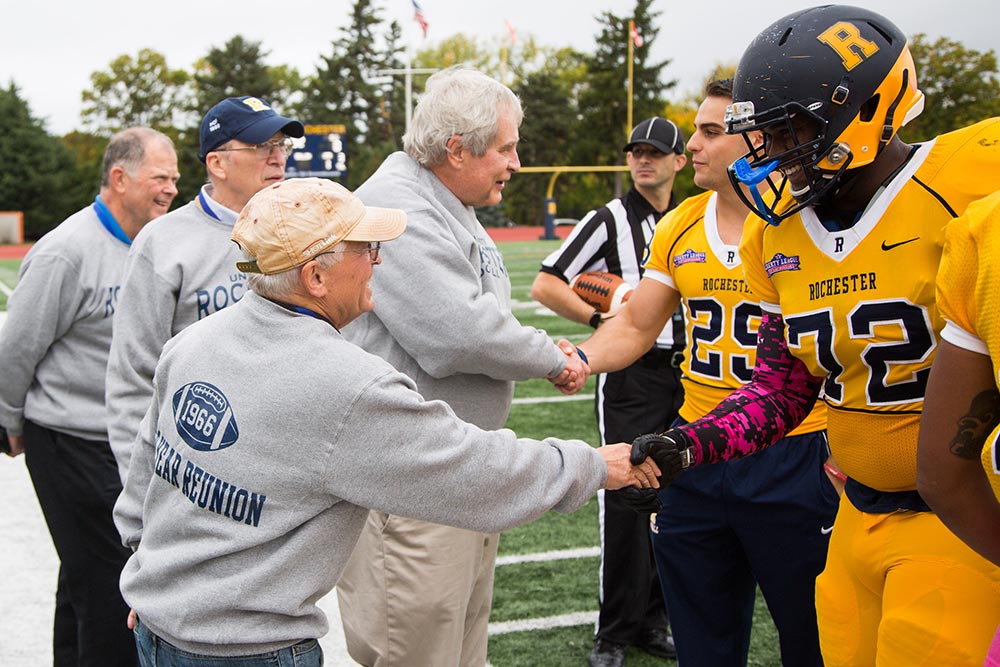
{"points": [[808, 150]]}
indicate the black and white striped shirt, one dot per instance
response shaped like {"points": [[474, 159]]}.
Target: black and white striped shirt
{"points": [[615, 238]]}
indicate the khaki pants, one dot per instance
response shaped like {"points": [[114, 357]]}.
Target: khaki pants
{"points": [[417, 594]]}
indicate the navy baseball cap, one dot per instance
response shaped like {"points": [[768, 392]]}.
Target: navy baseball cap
{"points": [[246, 118], [659, 133]]}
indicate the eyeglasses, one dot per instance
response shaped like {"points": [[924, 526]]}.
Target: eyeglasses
{"points": [[263, 151], [373, 251]]}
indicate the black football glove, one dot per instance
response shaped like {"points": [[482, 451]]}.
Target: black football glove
{"points": [[665, 452], [643, 501]]}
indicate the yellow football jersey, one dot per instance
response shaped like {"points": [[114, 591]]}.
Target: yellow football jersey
{"points": [[968, 295], [859, 304], [721, 315]]}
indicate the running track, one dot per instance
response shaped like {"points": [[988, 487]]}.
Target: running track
{"points": [[498, 234]]}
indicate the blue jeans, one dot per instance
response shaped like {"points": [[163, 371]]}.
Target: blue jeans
{"points": [[155, 652]]}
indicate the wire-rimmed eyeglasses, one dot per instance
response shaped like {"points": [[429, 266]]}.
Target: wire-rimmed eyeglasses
{"points": [[263, 151], [373, 251]]}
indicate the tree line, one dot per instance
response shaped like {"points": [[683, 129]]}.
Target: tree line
{"points": [[575, 108]]}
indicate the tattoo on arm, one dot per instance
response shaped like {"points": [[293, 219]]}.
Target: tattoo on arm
{"points": [[976, 425]]}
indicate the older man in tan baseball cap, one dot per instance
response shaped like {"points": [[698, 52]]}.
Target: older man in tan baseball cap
{"points": [[309, 242], [270, 436], [311, 245]]}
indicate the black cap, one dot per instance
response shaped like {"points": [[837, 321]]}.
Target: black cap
{"points": [[659, 133], [246, 118]]}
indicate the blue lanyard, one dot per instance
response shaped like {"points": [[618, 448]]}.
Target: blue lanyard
{"points": [[109, 222], [203, 203], [311, 313], [306, 311]]}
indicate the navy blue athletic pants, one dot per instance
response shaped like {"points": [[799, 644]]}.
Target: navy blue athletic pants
{"points": [[726, 528]]}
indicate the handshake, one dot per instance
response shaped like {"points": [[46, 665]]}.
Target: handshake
{"points": [[573, 376], [654, 460]]}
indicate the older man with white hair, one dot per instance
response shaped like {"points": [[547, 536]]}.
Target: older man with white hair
{"points": [[416, 593]]}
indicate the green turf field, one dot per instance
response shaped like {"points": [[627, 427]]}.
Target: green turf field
{"points": [[8, 276], [553, 593]]}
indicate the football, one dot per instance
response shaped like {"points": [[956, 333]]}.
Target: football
{"points": [[604, 291], [204, 418]]}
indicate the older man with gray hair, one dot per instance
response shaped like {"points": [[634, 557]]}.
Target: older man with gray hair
{"points": [[270, 434], [418, 593]]}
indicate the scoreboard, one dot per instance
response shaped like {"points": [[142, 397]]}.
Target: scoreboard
{"points": [[321, 152]]}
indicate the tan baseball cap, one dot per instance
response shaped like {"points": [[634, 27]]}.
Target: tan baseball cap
{"points": [[287, 224]]}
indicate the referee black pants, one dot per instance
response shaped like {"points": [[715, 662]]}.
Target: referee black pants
{"points": [[643, 398], [77, 484]]}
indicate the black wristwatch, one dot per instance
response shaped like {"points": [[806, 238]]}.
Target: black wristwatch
{"points": [[595, 319]]}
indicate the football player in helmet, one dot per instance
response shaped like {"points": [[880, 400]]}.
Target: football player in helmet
{"points": [[830, 96], [843, 260], [724, 530]]}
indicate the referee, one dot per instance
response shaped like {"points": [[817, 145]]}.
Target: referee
{"points": [[643, 398]]}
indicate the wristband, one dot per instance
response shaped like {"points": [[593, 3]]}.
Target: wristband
{"points": [[834, 472], [583, 357], [595, 319]]}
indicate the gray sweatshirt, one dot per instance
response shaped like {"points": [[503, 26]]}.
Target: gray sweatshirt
{"points": [[54, 344], [269, 437], [442, 301], [181, 268]]}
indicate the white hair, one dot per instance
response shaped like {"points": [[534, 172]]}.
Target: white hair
{"points": [[458, 102], [281, 286]]}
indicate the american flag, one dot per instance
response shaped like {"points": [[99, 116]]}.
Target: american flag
{"points": [[418, 16], [634, 31]]}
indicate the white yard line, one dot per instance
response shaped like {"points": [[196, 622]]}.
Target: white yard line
{"points": [[552, 399], [564, 554], [562, 621]]}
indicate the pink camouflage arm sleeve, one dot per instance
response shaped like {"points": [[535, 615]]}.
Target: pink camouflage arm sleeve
{"points": [[758, 414]]}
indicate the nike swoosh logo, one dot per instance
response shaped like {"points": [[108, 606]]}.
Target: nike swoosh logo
{"points": [[890, 246], [825, 531]]}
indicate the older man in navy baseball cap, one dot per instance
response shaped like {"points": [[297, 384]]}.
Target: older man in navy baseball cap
{"points": [[248, 119], [184, 270]]}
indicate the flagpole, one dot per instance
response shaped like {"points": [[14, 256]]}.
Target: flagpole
{"points": [[631, 41], [408, 86]]}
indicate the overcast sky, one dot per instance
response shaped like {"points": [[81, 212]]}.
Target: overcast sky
{"points": [[50, 47]]}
